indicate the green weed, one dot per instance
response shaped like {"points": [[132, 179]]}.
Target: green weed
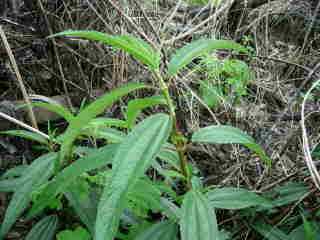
{"points": [[108, 188]]}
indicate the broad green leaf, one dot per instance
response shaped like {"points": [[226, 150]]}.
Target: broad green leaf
{"points": [[195, 49], [79, 234], [59, 184], [137, 105], [36, 175], [234, 198], [168, 153], [10, 185], [134, 46], [27, 135], [55, 108], [91, 111], [45, 229], [270, 232], [144, 196], [289, 193], [198, 221], [134, 155], [284, 195], [226, 135], [165, 230], [84, 204], [14, 172], [11, 180]]}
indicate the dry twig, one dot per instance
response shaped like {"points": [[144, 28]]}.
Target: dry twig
{"points": [[19, 78]]}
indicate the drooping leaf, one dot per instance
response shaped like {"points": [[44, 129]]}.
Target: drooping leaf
{"points": [[284, 195], [59, 184], [134, 46], [198, 221], [90, 112], [36, 174], [45, 229], [234, 198], [226, 135], [134, 155], [195, 49], [137, 105], [79, 233], [55, 108], [27, 135], [165, 230]]}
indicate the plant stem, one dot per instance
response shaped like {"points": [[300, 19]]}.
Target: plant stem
{"points": [[177, 137]]}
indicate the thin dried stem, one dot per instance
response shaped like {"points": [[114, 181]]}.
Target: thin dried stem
{"points": [[132, 23], [55, 49], [145, 16], [22, 124], [192, 30], [19, 78]]}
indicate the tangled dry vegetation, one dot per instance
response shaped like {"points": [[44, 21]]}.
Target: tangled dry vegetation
{"points": [[282, 34]]}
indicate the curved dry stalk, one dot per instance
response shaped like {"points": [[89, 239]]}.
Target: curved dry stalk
{"points": [[306, 147], [19, 78]]}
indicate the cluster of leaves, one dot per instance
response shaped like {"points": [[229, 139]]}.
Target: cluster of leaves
{"points": [[108, 187], [225, 80]]}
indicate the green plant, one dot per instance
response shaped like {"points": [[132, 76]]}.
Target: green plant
{"points": [[107, 187], [225, 80]]}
